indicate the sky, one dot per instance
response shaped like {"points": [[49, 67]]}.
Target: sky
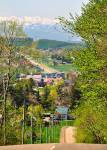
{"points": [[42, 8]]}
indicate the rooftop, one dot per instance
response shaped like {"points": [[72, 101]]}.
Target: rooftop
{"points": [[62, 110]]}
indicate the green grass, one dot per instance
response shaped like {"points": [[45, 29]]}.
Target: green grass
{"points": [[64, 67], [60, 67]]}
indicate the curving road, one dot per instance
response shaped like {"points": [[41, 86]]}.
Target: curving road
{"points": [[42, 66]]}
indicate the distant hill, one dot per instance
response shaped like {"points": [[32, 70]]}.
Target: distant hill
{"points": [[20, 41], [53, 44]]}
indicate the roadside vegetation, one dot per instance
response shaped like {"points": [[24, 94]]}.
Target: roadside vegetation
{"points": [[92, 64]]}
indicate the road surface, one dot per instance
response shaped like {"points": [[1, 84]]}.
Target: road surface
{"points": [[42, 66], [56, 147]]}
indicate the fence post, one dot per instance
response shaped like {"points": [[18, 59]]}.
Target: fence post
{"points": [[31, 129], [40, 133], [46, 134], [52, 130]]}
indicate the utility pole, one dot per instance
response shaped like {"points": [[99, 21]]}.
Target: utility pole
{"points": [[4, 119], [4, 108], [32, 126]]}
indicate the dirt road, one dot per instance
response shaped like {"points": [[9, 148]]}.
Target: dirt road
{"points": [[68, 135], [42, 66]]}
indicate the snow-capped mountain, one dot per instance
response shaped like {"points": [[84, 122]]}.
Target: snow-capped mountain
{"points": [[49, 31], [42, 28], [30, 20]]}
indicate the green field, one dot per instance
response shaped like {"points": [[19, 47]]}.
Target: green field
{"points": [[53, 44], [60, 67], [64, 67]]}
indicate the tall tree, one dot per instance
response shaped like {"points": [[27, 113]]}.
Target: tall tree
{"points": [[9, 31]]}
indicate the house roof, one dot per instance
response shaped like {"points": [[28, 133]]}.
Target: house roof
{"points": [[39, 76], [62, 110]]}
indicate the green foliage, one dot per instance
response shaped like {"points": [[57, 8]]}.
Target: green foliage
{"points": [[91, 122], [13, 127], [23, 41], [36, 111], [21, 90], [91, 63], [93, 99]]}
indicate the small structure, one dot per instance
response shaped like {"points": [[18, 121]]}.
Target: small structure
{"points": [[62, 111], [46, 119], [37, 77]]}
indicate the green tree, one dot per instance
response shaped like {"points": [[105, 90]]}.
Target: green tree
{"points": [[53, 97], [91, 63], [8, 60]]}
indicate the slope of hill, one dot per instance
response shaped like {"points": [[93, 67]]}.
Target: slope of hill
{"points": [[53, 44], [50, 44]]}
